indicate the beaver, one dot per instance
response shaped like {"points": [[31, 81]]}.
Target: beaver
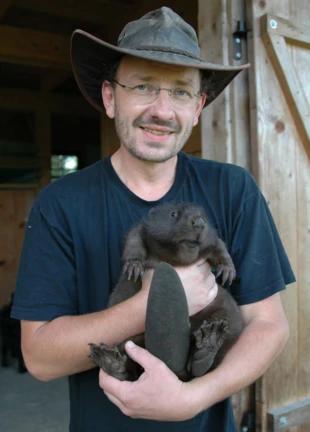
{"points": [[177, 234]]}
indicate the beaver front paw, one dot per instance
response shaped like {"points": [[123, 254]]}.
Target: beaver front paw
{"points": [[209, 339], [134, 268], [228, 272], [110, 360]]}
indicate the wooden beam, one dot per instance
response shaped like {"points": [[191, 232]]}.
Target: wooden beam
{"points": [[96, 12], [15, 162], [44, 144], [28, 100], [283, 27], [30, 186], [291, 415], [292, 88], [32, 47], [4, 6], [53, 80]]}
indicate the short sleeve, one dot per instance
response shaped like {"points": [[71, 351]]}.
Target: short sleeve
{"points": [[46, 282], [261, 262]]}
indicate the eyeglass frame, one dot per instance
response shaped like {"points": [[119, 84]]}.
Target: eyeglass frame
{"points": [[158, 89]]}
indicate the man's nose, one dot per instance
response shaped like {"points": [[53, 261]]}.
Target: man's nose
{"points": [[162, 106]]}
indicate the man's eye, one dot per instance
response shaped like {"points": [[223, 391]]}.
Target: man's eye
{"points": [[142, 88], [181, 93]]}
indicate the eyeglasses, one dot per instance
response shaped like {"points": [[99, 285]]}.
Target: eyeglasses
{"points": [[147, 93]]}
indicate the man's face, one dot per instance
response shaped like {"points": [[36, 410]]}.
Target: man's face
{"points": [[154, 131]]}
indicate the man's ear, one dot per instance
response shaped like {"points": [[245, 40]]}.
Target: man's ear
{"points": [[108, 99], [200, 105]]}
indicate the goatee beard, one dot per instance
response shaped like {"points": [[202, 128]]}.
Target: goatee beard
{"points": [[128, 140]]}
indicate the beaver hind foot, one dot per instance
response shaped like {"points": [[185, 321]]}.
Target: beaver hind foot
{"points": [[209, 339]]}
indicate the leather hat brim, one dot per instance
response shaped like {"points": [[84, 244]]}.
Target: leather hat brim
{"points": [[90, 55]]}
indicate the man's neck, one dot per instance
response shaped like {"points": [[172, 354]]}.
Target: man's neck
{"points": [[148, 180]]}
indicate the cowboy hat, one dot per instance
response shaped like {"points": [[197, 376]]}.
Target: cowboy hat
{"points": [[161, 36]]}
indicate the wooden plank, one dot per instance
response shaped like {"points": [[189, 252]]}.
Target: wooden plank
{"points": [[28, 100], [7, 246], [215, 119], [14, 210], [292, 31], [290, 84], [303, 272], [239, 89], [32, 47], [274, 165], [297, 413], [4, 6], [299, 13]]}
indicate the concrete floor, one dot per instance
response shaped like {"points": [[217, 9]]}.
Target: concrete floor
{"points": [[28, 405]]}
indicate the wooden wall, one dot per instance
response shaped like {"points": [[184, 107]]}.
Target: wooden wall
{"points": [[15, 206]]}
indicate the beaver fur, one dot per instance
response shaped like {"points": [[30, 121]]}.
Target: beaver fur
{"points": [[179, 235]]}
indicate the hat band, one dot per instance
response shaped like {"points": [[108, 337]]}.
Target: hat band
{"points": [[166, 50]]}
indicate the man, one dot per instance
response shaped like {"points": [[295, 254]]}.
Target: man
{"points": [[154, 85]]}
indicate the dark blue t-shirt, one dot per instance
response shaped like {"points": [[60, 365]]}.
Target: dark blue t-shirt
{"points": [[71, 259]]}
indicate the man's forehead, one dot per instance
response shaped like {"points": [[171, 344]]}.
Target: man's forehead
{"points": [[147, 70]]}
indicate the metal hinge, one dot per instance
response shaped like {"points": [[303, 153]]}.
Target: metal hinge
{"points": [[238, 35]]}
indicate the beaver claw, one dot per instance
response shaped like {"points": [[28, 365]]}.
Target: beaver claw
{"points": [[134, 268], [227, 271]]}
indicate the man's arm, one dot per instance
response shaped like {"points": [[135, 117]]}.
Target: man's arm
{"points": [[263, 338], [60, 347]]}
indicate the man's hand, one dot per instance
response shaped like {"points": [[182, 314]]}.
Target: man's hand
{"points": [[199, 285], [198, 282], [158, 394]]}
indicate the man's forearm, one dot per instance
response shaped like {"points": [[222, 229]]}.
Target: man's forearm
{"points": [[60, 347], [259, 344]]}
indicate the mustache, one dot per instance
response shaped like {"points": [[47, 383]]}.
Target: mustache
{"points": [[149, 121]]}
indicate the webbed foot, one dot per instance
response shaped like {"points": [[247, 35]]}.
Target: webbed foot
{"points": [[209, 339]]}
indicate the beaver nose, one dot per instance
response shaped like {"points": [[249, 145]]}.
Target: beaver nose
{"points": [[198, 222]]}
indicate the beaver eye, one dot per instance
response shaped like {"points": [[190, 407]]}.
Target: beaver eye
{"points": [[174, 214]]}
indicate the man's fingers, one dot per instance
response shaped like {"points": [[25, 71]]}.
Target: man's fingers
{"points": [[110, 384], [140, 355]]}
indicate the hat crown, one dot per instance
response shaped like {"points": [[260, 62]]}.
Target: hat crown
{"points": [[160, 30]]}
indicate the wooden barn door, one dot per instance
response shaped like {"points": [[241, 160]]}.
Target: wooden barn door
{"points": [[15, 206], [279, 51], [262, 122]]}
